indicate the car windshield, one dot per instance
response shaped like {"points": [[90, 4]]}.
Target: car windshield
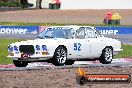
{"points": [[57, 32]]}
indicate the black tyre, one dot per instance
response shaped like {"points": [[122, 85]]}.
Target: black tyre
{"points": [[106, 56], [20, 63], [60, 56], [69, 62]]}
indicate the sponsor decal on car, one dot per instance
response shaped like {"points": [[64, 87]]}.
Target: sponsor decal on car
{"points": [[25, 56]]}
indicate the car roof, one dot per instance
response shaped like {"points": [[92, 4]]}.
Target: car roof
{"points": [[75, 27]]}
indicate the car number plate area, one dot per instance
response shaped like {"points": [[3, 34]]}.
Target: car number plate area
{"points": [[25, 56]]}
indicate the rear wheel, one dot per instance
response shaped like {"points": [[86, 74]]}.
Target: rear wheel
{"points": [[20, 63], [60, 56], [107, 55]]}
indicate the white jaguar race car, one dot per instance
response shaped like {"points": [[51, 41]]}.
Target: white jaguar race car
{"points": [[62, 45]]}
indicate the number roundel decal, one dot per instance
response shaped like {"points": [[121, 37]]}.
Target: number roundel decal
{"points": [[77, 46]]}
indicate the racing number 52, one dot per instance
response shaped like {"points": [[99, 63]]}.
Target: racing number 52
{"points": [[77, 46]]}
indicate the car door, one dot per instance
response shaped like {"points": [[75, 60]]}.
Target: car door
{"points": [[95, 41], [81, 44]]}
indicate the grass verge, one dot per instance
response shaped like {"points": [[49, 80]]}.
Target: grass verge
{"points": [[49, 24], [4, 51], [127, 50]]}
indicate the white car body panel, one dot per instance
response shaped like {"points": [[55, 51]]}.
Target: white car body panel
{"points": [[76, 48]]}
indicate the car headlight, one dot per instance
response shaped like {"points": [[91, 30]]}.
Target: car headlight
{"points": [[44, 47], [10, 48], [37, 47], [15, 48]]}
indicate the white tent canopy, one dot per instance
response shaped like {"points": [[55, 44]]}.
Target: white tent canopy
{"points": [[89, 4]]}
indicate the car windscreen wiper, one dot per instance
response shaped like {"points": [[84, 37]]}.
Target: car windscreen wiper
{"points": [[49, 37], [40, 37]]}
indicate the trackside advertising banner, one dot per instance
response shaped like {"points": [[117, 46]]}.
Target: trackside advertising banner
{"points": [[107, 29], [19, 30], [114, 29], [32, 30]]}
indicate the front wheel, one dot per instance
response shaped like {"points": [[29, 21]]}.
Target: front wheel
{"points": [[69, 62], [60, 56], [106, 56], [20, 63]]}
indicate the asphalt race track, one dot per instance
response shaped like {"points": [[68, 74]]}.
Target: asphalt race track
{"points": [[89, 16], [38, 65], [117, 64], [124, 38]]}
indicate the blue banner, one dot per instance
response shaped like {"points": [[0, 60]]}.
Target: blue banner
{"points": [[114, 29], [36, 29], [19, 29]]}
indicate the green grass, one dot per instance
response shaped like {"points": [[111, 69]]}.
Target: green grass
{"points": [[25, 24], [3, 50], [127, 52], [49, 24]]}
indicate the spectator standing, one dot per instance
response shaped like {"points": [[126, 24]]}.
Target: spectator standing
{"points": [[107, 19], [116, 18]]}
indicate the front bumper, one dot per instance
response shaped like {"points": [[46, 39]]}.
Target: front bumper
{"points": [[31, 58], [116, 51]]}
